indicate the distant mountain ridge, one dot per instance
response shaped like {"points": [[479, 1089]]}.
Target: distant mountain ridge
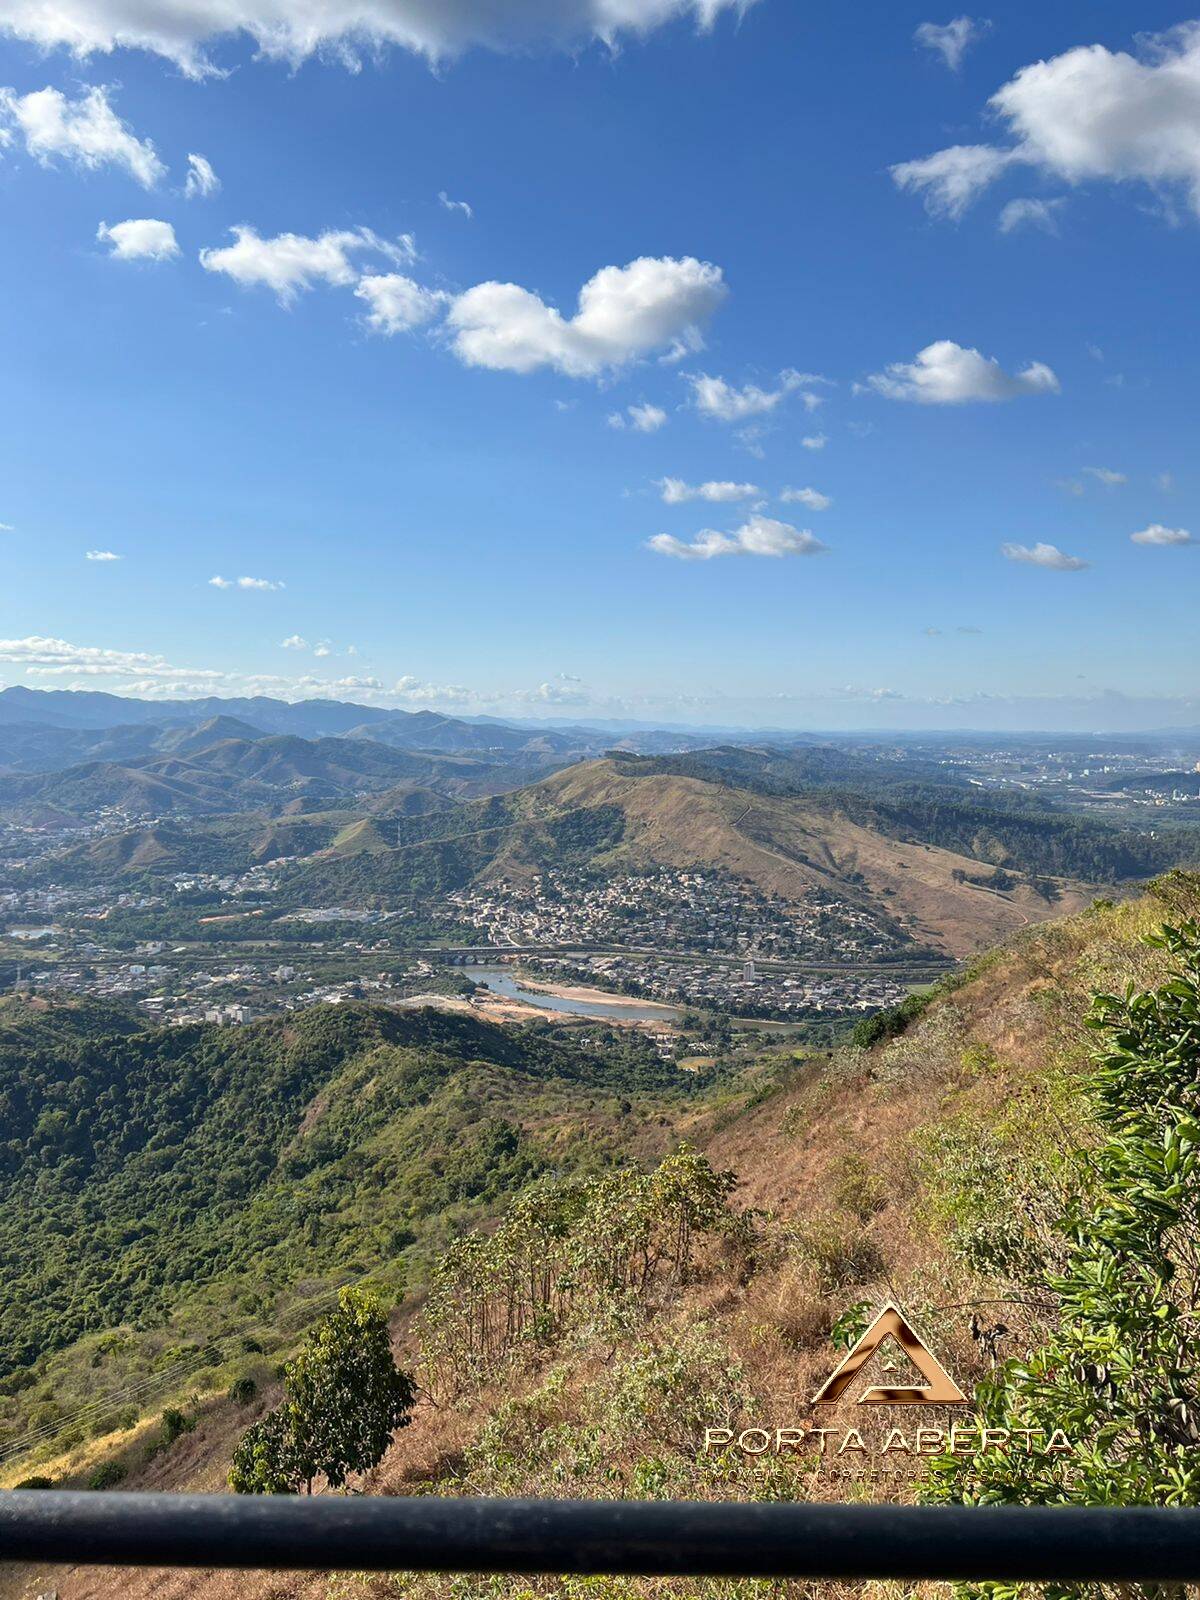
{"points": [[78, 710], [205, 771]]}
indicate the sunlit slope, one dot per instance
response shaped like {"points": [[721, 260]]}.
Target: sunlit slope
{"points": [[604, 817]]}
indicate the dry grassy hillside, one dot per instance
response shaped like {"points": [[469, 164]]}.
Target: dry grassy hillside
{"points": [[788, 848], [862, 1177]]}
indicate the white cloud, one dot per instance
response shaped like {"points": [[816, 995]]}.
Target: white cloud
{"points": [[102, 555], [139, 239], [815, 441], [714, 397], [414, 689], [1107, 476], [675, 492], [951, 179], [812, 498], [397, 303], [85, 132], [202, 181], [945, 373], [243, 583], [624, 312], [345, 30], [455, 205], [1041, 214], [7, 527], [294, 641], [291, 262], [952, 40], [1043, 555], [1156, 534], [758, 536], [564, 690], [48, 657], [642, 419], [1088, 114]]}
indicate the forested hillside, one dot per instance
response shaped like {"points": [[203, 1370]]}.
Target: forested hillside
{"points": [[158, 1180]]}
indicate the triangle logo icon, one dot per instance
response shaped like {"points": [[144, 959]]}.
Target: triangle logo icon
{"points": [[939, 1387]]}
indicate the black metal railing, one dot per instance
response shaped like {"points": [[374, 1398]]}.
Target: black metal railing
{"points": [[652, 1538]]}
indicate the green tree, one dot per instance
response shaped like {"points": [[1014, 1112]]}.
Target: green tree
{"points": [[1120, 1375], [264, 1461], [344, 1398]]}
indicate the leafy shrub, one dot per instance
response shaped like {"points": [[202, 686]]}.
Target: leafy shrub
{"points": [[1120, 1374], [889, 1023], [174, 1424]]}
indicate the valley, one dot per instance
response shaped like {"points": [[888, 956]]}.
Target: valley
{"points": [[224, 869]]}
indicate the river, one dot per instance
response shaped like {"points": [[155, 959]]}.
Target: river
{"points": [[501, 981]]}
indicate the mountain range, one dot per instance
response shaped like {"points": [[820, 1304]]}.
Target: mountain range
{"points": [[366, 816]]}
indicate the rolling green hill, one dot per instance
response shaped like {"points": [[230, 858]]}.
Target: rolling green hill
{"points": [[163, 1186]]}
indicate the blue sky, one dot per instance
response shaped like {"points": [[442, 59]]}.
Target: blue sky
{"points": [[436, 508]]}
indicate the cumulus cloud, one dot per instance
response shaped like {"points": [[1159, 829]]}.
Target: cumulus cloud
{"points": [[952, 40], [1043, 555], [945, 373], [642, 419], [290, 262], [243, 583], [455, 205], [45, 656], [102, 555], [757, 536], [1090, 114], [201, 180], [815, 441], [1041, 214], [714, 397], [1106, 476], [294, 641], [397, 303], [812, 498], [410, 688], [653, 303], [139, 239], [85, 132], [675, 492], [1156, 534], [343, 29]]}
